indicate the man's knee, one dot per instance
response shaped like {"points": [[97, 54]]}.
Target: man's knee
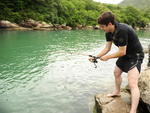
{"points": [[133, 76], [133, 82], [132, 85]]}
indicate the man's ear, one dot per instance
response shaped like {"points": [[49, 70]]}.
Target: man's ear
{"points": [[109, 23]]}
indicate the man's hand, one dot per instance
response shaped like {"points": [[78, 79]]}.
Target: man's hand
{"points": [[104, 58]]}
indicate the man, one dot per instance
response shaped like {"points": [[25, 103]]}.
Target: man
{"points": [[130, 55]]}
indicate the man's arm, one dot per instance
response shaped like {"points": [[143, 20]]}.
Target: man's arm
{"points": [[119, 53], [106, 49]]}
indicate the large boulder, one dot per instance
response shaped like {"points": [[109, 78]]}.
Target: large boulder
{"points": [[104, 104], [144, 86], [7, 24]]}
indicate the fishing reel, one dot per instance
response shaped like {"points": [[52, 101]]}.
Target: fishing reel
{"points": [[94, 60]]}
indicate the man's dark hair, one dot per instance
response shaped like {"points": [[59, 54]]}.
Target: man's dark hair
{"points": [[105, 18]]}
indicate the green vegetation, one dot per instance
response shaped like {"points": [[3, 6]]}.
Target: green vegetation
{"points": [[69, 12]]}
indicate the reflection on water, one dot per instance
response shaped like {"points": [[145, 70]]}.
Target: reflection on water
{"points": [[42, 71]]}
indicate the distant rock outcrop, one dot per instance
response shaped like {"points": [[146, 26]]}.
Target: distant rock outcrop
{"points": [[7, 24], [32, 24]]}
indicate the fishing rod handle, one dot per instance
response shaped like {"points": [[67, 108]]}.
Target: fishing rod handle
{"points": [[94, 57]]}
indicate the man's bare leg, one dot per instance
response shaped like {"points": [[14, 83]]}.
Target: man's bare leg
{"points": [[118, 81], [133, 76]]}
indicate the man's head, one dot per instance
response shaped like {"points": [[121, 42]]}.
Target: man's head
{"points": [[107, 21]]}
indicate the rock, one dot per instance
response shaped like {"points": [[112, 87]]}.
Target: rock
{"points": [[106, 104], [62, 27], [144, 86], [17, 28], [29, 23], [35, 24], [145, 50], [96, 27], [7, 24], [43, 29], [137, 28], [89, 27], [66, 27], [148, 26], [44, 25], [79, 26], [32, 25]]}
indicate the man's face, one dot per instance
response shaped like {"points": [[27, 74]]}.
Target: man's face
{"points": [[104, 28]]}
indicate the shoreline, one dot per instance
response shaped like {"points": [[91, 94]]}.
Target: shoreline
{"points": [[55, 29], [43, 26], [60, 27]]}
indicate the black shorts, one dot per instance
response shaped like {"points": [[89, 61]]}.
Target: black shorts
{"points": [[126, 63]]}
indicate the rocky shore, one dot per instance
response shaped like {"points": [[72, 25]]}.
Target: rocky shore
{"points": [[38, 25], [104, 104]]}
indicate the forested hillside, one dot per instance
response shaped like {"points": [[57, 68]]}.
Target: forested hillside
{"points": [[69, 12], [142, 4]]}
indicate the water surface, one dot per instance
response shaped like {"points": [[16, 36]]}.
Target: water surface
{"points": [[47, 71]]}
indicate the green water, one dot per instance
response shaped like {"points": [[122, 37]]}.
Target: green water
{"points": [[45, 72]]}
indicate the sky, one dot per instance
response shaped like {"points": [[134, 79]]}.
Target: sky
{"points": [[109, 1]]}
